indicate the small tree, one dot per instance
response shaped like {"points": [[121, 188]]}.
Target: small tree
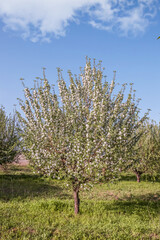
{"points": [[87, 136], [8, 138], [147, 151]]}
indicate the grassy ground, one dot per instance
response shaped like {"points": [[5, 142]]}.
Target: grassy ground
{"points": [[35, 208]]}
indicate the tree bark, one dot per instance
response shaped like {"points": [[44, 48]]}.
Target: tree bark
{"points": [[138, 175], [76, 200]]}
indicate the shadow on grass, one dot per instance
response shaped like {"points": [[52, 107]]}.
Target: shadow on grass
{"points": [[138, 205], [144, 206], [149, 197], [23, 186]]}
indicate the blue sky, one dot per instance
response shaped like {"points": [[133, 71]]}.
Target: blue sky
{"points": [[50, 33]]}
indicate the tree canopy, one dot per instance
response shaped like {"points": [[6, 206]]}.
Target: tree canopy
{"points": [[86, 134], [8, 137], [147, 150]]}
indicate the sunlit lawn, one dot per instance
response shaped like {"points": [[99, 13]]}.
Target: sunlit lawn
{"points": [[32, 207]]}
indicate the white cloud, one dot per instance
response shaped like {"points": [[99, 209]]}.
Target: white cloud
{"points": [[124, 16], [41, 19]]}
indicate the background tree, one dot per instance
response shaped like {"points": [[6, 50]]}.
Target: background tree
{"points": [[8, 137], [147, 151], [87, 135]]}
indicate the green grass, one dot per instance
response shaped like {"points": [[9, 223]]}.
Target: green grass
{"points": [[32, 207]]}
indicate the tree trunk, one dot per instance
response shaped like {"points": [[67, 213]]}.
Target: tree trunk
{"points": [[76, 200], [138, 175]]}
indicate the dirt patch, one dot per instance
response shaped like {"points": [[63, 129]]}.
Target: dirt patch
{"points": [[21, 160]]}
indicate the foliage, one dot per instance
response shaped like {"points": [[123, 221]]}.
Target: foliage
{"points": [[8, 137], [147, 152], [85, 138]]}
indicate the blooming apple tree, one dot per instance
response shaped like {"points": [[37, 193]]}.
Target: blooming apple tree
{"points": [[147, 151], [87, 134], [8, 138]]}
